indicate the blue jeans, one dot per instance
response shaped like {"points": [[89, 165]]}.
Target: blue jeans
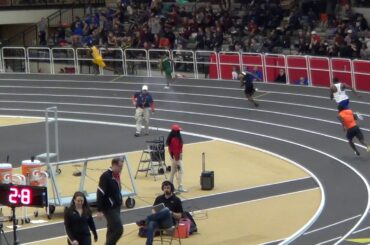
{"points": [[161, 219]]}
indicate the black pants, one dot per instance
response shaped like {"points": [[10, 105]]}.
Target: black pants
{"points": [[114, 226], [85, 240]]}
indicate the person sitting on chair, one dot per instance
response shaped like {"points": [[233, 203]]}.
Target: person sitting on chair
{"points": [[166, 217]]}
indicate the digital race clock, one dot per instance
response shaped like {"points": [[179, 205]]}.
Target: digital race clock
{"points": [[23, 195]]}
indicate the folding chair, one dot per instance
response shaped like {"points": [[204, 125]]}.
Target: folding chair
{"points": [[167, 235]]}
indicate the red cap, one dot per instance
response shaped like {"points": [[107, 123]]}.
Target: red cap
{"points": [[176, 127]]}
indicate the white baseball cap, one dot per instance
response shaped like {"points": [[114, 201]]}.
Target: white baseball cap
{"points": [[145, 87]]}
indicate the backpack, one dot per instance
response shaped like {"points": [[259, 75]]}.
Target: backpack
{"points": [[193, 225]]}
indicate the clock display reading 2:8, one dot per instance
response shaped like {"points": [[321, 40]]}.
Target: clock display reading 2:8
{"points": [[23, 195], [20, 196]]}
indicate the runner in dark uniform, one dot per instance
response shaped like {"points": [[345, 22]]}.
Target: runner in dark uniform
{"points": [[246, 81]]}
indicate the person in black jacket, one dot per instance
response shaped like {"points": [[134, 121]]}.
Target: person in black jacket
{"points": [[77, 220], [109, 201], [246, 81], [281, 77]]}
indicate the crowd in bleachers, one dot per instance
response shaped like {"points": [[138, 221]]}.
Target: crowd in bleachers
{"points": [[252, 26]]}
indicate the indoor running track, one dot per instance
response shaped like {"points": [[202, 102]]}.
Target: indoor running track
{"points": [[298, 123]]}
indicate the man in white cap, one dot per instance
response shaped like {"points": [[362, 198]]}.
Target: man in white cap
{"points": [[143, 101]]}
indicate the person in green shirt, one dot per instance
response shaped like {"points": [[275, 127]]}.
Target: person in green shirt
{"points": [[166, 67]]}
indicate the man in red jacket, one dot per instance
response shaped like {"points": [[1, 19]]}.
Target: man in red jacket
{"points": [[175, 144]]}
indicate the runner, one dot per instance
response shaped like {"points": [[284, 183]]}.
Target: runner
{"points": [[348, 120], [338, 92], [246, 81]]}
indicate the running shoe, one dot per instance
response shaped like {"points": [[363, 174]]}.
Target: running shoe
{"points": [[181, 189]]}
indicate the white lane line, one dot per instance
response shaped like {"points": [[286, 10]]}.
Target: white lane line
{"points": [[164, 92], [325, 227], [8, 79], [274, 241], [261, 95], [115, 79], [361, 230], [328, 241], [322, 203], [166, 101], [202, 114], [183, 84], [192, 103], [333, 224], [263, 198], [214, 194], [171, 101], [189, 112], [178, 85], [209, 209]]}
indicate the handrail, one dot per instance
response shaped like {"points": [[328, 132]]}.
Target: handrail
{"points": [[21, 5], [318, 70]]}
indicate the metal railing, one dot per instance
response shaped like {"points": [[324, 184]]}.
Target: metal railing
{"points": [[39, 4], [318, 71]]}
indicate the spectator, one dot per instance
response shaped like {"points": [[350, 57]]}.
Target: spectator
{"points": [[235, 73], [60, 34], [41, 26], [256, 74], [281, 77], [218, 39], [111, 40], [154, 25], [77, 31], [301, 81], [200, 39], [315, 43]]}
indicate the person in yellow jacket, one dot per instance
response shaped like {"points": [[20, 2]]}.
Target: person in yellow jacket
{"points": [[97, 58]]}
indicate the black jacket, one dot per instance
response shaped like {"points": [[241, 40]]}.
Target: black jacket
{"points": [[77, 227], [109, 192]]}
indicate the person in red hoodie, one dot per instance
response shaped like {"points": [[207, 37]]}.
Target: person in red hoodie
{"points": [[175, 144]]}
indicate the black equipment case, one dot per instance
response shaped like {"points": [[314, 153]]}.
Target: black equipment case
{"points": [[207, 178]]}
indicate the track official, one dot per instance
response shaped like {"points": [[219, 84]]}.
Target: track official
{"points": [[143, 101]]}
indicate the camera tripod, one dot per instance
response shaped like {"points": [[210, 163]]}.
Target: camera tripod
{"points": [[2, 235]]}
